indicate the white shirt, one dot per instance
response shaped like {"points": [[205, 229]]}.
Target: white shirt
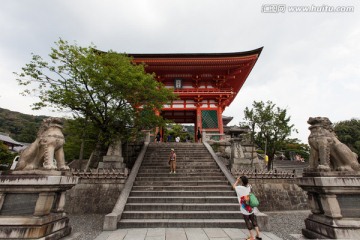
{"points": [[240, 192]]}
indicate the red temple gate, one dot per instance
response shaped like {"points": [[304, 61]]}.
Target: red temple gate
{"points": [[206, 84]]}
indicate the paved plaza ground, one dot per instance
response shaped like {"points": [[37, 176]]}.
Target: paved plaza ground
{"points": [[181, 234], [284, 225]]}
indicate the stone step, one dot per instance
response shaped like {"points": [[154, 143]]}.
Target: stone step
{"points": [[188, 157], [181, 199], [179, 177], [198, 195], [181, 215], [182, 188], [187, 161], [190, 153], [199, 171], [167, 151], [182, 165], [175, 144], [180, 183], [188, 193], [203, 152], [179, 154], [182, 207], [181, 223], [205, 156], [186, 153], [181, 174], [178, 151]]}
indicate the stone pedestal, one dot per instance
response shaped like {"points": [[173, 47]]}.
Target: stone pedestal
{"points": [[32, 206], [241, 156], [334, 199], [113, 158], [113, 162]]}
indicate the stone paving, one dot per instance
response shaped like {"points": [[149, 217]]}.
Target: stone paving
{"points": [[181, 234]]}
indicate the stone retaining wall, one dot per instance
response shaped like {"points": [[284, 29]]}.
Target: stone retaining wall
{"points": [[94, 195], [279, 194]]}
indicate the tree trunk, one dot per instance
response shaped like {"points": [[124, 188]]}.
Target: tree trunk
{"points": [[271, 161], [81, 155], [269, 164], [96, 155]]}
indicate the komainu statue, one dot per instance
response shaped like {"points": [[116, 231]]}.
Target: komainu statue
{"points": [[327, 153], [46, 152]]}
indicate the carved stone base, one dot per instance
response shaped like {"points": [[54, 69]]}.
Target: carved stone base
{"points": [[321, 227], [53, 226], [32, 206], [113, 162], [334, 199]]}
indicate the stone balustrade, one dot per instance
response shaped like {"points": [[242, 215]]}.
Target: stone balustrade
{"points": [[264, 174], [101, 173]]}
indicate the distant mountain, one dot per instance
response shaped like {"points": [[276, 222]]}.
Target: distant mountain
{"points": [[21, 127]]}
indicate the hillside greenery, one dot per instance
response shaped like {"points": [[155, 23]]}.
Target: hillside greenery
{"points": [[23, 128], [20, 127]]}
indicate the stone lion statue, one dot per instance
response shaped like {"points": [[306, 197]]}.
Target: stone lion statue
{"points": [[327, 153], [46, 152]]}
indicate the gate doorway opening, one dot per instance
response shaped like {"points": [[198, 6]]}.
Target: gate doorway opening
{"points": [[183, 127]]}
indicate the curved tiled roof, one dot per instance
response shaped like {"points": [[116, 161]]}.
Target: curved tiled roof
{"points": [[7, 139]]}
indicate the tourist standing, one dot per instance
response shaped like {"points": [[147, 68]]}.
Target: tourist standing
{"points": [[199, 135], [177, 139], [242, 193], [158, 137], [266, 160], [172, 161]]}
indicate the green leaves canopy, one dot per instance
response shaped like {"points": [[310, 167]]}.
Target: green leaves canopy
{"points": [[270, 125], [108, 89], [348, 132]]}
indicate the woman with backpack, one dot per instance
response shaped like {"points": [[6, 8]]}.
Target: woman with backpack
{"points": [[243, 193]]}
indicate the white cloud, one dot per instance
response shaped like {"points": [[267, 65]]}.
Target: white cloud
{"points": [[309, 64]]}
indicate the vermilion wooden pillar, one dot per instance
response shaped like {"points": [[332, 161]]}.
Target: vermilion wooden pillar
{"points": [[220, 121], [198, 122]]}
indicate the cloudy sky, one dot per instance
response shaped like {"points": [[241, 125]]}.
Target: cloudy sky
{"points": [[310, 63]]}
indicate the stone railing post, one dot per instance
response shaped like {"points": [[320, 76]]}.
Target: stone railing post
{"points": [[147, 136], [204, 136]]}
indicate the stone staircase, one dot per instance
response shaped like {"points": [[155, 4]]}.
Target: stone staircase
{"points": [[198, 195]]}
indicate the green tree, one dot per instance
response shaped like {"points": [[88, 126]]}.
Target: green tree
{"points": [[106, 88], [294, 146], [271, 126], [348, 132], [80, 138], [6, 156], [175, 130]]}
